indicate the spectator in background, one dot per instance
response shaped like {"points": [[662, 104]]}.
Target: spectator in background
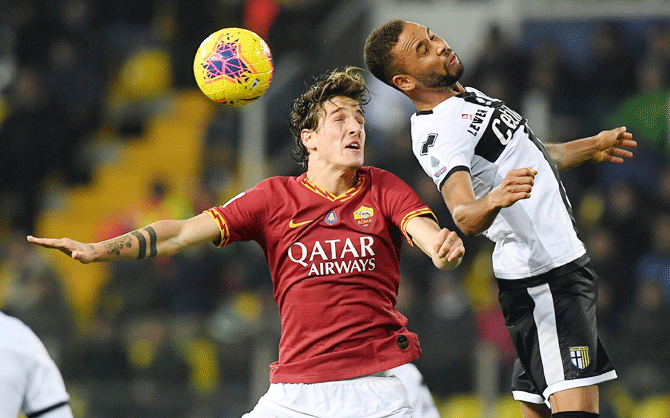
{"points": [[31, 291], [655, 265], [500, 69], [644, 340], [611, 69], [657, 47]]}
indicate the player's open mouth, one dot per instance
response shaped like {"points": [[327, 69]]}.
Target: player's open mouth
{"points": [[353, 145]]}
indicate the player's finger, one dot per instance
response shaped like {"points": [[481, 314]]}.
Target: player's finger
{"points": [[621, 152], [439, 240], [449, 237], [47, 242], [456, 252]]}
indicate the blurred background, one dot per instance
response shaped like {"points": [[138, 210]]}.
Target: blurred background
{"points": [[103, 130]]}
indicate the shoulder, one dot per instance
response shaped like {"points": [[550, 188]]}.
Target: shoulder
{"points": [[273, 186], [17, 336], [380, 177]]}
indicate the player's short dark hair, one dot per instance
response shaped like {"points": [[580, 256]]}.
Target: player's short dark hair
{"points": [[306, 109], [378, 57]]}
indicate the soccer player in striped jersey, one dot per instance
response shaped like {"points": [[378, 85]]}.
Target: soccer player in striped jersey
{"points": [[30, 382], [332, 239], [499, 180]]}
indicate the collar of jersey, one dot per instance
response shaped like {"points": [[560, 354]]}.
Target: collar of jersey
{"points": [[328, 195]]}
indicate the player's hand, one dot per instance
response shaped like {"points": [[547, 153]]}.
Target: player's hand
{"points": [[75, 249], [449, 249], [517, 185], [609, 143]]}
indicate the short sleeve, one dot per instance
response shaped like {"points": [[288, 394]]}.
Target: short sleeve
{"points": [[36, 378], [242, 217], [400, 202], [46, 395]]}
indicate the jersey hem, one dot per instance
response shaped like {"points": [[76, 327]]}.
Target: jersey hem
{"points": [[351, 374], [533, 279]]}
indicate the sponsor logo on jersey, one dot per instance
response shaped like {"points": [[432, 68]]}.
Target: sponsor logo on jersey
{"points": [[466, 116], [439, 172], [477, 120], [364, 216], [335, 256], [505, 123], [331, 218], [434, 162], [292, 224], [580, 357]]}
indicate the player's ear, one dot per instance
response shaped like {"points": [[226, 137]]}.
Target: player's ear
{"points": [[404, 82], [307, 137]]}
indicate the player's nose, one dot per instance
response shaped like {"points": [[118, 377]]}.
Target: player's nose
{"points": [[354, 128]]}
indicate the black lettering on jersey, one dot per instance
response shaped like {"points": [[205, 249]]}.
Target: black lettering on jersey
{"points": [[477, 121], [429, 142], [504, 122]]}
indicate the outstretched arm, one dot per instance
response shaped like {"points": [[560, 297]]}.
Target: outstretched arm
{"points": [[160, 239], [473, 216], [606, 146], [444, 247]]}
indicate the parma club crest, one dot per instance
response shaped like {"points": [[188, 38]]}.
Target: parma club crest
{"points": [[580, 357]]}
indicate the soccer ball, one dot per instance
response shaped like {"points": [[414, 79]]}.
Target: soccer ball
{"points": [[233, 66]]}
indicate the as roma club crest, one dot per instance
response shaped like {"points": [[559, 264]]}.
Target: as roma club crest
{"points": [[363, 216], [580, 357]]}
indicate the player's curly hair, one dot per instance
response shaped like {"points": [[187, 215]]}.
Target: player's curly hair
{"points": [[378, 57], [306, 110]]}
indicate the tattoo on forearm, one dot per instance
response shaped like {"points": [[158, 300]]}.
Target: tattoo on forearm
{"points": [[152, 241], [114, 246], [557, 156], [141, 253]]}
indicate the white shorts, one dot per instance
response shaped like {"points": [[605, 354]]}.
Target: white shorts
{"points": [[423, 404], [377, 395]]}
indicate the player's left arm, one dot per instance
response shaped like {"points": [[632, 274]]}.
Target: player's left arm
{"points": [[607, 146], [443, 246]]}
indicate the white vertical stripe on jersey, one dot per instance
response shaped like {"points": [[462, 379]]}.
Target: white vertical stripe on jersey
{"points": [[547, 334]]}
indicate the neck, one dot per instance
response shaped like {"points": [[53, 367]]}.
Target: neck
{"points": [[334, 180], [428, 99]]}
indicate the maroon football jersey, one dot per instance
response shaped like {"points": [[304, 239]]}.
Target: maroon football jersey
{"points": [[334, 266]]}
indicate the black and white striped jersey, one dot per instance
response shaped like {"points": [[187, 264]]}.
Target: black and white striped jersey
{"points": [[481, 135]]}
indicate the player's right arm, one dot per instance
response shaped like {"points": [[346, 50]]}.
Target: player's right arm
{"points": [[473, 216], [159, 239]]}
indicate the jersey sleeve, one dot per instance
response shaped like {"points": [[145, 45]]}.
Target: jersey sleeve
{"points": [[45, 394], [400, 202], [241, 218], [443, 149]]}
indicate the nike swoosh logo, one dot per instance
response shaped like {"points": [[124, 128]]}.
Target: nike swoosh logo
{"points": [[292, 224]]}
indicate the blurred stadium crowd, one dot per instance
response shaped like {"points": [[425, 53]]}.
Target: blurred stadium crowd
{"points": [[192, 335]]}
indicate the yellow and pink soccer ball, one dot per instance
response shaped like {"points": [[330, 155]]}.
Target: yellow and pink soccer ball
{"points": [[233, 66]]}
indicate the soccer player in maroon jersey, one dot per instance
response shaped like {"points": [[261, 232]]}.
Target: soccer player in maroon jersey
{"points": [[332, 239]]}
